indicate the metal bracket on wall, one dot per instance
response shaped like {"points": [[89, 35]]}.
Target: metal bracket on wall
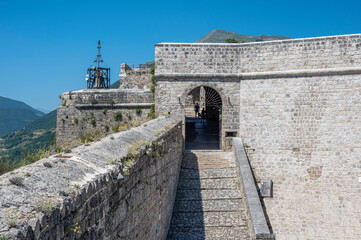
{"points": [[266, 188]]}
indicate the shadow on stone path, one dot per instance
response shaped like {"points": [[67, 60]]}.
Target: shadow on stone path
{"points": [[208, 202], [202, 134]]}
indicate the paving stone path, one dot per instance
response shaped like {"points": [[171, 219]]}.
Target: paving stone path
{"points": [[208, 202]]}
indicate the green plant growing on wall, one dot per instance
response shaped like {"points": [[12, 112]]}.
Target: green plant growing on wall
{"points": [[17, 180], [115, 127], [118, 116], [151, 114], [152, 88], [138, 111], [6, 166], [231, 40], [64, 103], [93, 122], [67, 229], [105, 111], [106, 127], [87, 136], [132, 152], [12, 217], [46, 205], [47, 164], [111, 102], [129, 117], [94, 101]]}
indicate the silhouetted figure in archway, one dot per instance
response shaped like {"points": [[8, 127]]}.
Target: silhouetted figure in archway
{"points": [[196, 110], [203, 115]]}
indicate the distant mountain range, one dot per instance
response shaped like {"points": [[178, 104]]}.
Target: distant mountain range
{"points": [[34, 136], [15, 115], [220, 36]]}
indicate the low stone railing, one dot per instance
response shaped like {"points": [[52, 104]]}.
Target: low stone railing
{"points": [[256, 216], [121, 187]]}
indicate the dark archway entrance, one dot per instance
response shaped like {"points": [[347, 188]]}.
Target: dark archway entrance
{"points": [[203, 130]]}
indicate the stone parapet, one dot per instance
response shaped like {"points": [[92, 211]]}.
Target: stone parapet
{"points": [[98, 112], [80, 195], [105, 96], [257, 218], [282, 55]]}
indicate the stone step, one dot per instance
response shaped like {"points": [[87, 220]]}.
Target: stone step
{"points": [[207, 173], [226, 205], [221, 183], [207, 194], [207, 219], [216, 233], [209, 203]]}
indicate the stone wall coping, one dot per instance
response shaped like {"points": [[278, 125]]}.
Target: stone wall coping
{"points": [[109, 90], [257, 216], [270, 74], [336, 37], [107, 105], [83, 167]]}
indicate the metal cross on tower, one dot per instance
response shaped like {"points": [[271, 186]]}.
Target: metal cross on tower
{"points": [[98, 77]]}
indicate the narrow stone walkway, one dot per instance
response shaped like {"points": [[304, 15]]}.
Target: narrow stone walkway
{"points": [[208, 202]]}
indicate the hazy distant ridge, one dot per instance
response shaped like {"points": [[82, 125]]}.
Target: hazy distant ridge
{"points": [[15, 115], [220, 36]]}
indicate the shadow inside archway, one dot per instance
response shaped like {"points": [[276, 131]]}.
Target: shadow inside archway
{"points": [[202, 134]]}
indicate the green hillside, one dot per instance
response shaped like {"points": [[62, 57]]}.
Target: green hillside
{"points": [[15, 115], [39, 134], [220, 36]]}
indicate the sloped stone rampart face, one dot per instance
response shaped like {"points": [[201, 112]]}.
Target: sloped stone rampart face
{"points": [[298, 115], [89, 203], [92, 112]]}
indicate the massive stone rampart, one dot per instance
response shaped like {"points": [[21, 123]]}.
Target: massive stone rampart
{"points": [[304, 133], [79, 195], [232, 59], [92, 113], [296, 105]]}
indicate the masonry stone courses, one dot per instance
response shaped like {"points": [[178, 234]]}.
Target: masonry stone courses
{"points": [[312, 53], [82, 187], [296, 104], [93, 111], [171, 94], [137, 78], [307, 140]]}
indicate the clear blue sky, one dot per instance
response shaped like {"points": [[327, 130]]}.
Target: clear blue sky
{"points": [[46, 46]]}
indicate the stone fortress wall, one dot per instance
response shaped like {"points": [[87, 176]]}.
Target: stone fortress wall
{"points": [[97, 112], [296, 104], [80, 194], [135, 78], [198, 59]]}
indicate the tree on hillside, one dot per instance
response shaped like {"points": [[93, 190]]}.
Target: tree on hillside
{"points": [[231, 40]]}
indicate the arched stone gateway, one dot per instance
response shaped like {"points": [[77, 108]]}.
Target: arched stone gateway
{"points": [[172, 95], [203, 128]]}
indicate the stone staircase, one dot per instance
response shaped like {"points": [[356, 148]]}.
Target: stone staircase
{"points": [[208, 202]]}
